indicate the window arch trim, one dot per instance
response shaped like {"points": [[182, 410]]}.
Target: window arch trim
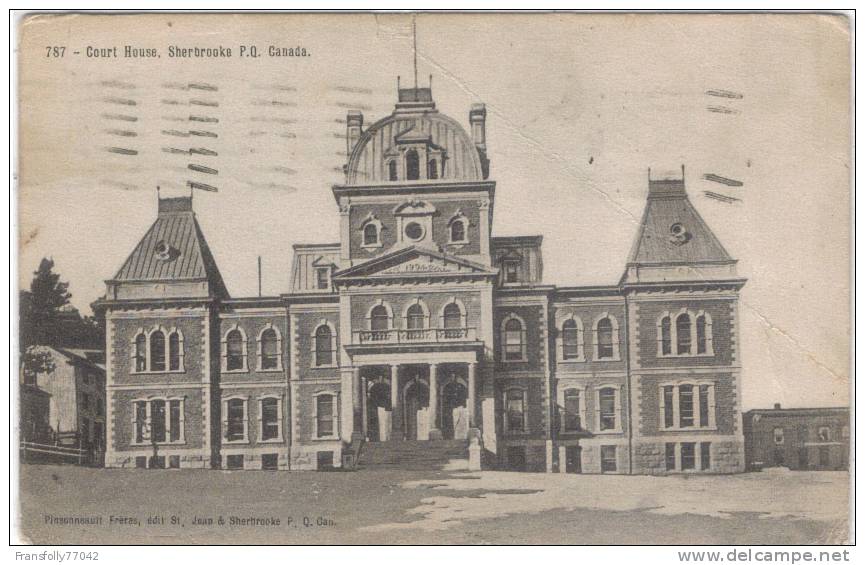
{"points": [[336, 417], [280, 416], [260, 348], [581, 340], [694, 315], [459, 304], [419, 302], [615, 337], [371, 220], [523, 339], [333, 345], [244, 341], [167, 332]]}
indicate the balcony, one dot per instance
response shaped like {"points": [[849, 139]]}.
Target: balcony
{"points": [[425, 335]]}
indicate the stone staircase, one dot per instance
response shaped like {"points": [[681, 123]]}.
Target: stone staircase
{"points": [[452, 455]]}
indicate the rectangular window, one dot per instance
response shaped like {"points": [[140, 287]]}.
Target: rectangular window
{"points": [[322, 279], [140, 420], [325, 415], [608, 458], [512, 270], [157, 462], [689, 455], [269, 461], [236, 420], [324, 460], [175, 420], [686, 406], [824, 456], [704, 406], [100, 407], [669, 421], [778, 436], [515, 407], [157, 421], [234, 461], [141, 462], [607, 409], [174, 461], [572, 411], [269, 419], [705, 456], [670, 456]]}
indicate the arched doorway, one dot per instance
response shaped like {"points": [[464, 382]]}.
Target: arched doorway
{"points": [[416, 399], [378, 411], [453, 396]]}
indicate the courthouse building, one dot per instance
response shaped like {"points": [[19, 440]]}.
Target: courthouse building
{"points": [[418, 327]]}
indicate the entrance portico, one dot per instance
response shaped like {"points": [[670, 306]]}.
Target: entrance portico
{"points": [[414, 396]]}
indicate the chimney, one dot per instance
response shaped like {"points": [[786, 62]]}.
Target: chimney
{"points": [[354, 125], [777, 406], [478, 119]]}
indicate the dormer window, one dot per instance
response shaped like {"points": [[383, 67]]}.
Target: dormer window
{"points": [[322, 278], [511, 271], [370, 234], [412, 165]]}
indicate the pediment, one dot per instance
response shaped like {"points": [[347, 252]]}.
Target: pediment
{"points": [[415, 262]]}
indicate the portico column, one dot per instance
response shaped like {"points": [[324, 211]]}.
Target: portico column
{"points": [[434, 431], [395, 428], [471, 394], [364, 400], [357, 398]]}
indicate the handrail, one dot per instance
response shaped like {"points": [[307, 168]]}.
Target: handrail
{"points": [[434, 335]]}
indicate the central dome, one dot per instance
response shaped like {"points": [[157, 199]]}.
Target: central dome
{"points": [[416, 143]]}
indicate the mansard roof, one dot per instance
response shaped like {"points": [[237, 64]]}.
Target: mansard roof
{"points": [[173, 249], [672, 231]]}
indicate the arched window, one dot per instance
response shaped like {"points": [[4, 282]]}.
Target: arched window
{"points": [[370, 234], [570, 340], [379, 319], [514, 340], [391, 170], [323, 346], [432, 169], [269, 349], [174, 351], [234, 359], [415, 317], [458, 231], [605, 338], [141, 353], [702, 335], [412, 165], [683, 334], [453, 317], [666, 337], [157, 351]]}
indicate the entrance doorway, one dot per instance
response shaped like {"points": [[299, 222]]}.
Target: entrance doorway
{"points": [[378, 412], [416, 399], [453, 397], [573, 459]]}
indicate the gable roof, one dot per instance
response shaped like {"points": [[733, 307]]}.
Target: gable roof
{"points": [[173, 249], [414, 261], [666, 206]]}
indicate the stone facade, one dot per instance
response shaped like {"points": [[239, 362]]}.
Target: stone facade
{"points": [[418, 324]]}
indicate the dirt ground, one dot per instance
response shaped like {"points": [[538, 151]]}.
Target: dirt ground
{"points": [[435, 507]]}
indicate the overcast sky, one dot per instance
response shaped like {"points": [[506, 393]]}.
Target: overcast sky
{"points": [[579, 106]]}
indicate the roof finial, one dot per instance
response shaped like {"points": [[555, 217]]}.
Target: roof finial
{"points": [[397, 83], [414, 44], [157, 192], [683, 172]]}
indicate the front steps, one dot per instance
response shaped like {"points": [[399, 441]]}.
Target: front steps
{"points": [[451, 455]]}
